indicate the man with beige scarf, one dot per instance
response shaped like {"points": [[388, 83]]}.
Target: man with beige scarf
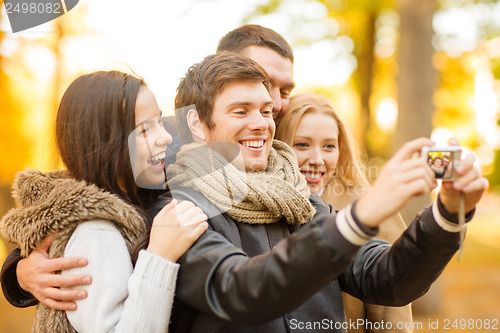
{"points": [[271, 51], [275, 258], [280, 71]]}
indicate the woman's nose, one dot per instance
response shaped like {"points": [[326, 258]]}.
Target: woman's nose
{"points": [[316, 157], [164, 138]]}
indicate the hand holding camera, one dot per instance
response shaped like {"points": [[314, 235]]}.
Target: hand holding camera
{"points": [[404, 176], [467, 179], [409, 173]]}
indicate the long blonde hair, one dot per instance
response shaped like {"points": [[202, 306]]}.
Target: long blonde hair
{"points": [[350, 171]]}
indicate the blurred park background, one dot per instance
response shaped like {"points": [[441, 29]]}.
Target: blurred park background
{"points": [[394, 69]]}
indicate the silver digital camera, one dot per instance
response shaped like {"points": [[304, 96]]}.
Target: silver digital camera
{"points": [[443, 160]]}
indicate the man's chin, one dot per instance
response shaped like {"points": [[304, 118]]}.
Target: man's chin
{"points": [[255, 161]]}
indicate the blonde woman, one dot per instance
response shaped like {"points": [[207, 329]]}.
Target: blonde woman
{"points": [[332, 167]]}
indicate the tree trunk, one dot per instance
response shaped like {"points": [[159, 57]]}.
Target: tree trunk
{"points": [[56, 85], [366, 59], [416, 73], [415, 90], [415, 79]]}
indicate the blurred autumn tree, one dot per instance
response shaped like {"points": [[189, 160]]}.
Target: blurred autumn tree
{"points": [[33, 70], [399, 54], [373, 27], [415, 83], [15, 146], [469, 81], [424, 73]]}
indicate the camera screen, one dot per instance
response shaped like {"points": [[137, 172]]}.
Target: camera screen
{"points": [[441, 162]]}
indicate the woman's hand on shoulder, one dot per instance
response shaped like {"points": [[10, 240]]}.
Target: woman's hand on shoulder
{"points": [[175, 228]]}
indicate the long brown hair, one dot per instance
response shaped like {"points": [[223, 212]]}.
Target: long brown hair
{"points": [[349, 168], [95, 116]]}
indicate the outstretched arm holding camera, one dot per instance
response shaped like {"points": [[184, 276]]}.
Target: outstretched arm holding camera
{"points": [[407, 175], [235, 286], [403, 177]]}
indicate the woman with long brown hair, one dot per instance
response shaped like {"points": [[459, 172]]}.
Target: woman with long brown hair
{"points": [[331, 165], [111, 138]]}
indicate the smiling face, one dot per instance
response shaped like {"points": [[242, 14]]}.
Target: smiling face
{"points": [[446, 161], [242, 114], [316, 146], [149, 141], [280, 71]]}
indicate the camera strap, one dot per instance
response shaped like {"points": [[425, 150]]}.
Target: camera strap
{"points": [[461, 224]]}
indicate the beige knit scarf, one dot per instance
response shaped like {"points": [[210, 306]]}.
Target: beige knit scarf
{"points": [[252, 197]]}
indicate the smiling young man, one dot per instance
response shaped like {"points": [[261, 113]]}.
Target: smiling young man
{"points": [[272, 52], [277, 258], [247, 122]]}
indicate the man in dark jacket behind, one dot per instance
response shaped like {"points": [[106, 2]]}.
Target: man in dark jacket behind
{"points": [[276, 258]]}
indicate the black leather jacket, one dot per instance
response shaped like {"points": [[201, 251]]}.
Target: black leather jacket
{"points": [[257, 278], [278, 278]]}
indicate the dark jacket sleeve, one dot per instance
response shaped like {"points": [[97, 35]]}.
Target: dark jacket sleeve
{"points": [[397, 275], [220, 279], [10, 286]]}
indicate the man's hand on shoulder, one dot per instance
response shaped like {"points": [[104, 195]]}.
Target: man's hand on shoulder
{"points": [[38, 275]]}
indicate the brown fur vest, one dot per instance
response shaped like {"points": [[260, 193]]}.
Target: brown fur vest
{"points": [[52, 201]]}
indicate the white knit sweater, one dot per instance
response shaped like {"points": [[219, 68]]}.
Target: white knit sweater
{"points": [[120, 298]]}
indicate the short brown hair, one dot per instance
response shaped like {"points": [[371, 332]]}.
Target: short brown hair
{"points": [[95, 116], [206, 80], [255, 35]]}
